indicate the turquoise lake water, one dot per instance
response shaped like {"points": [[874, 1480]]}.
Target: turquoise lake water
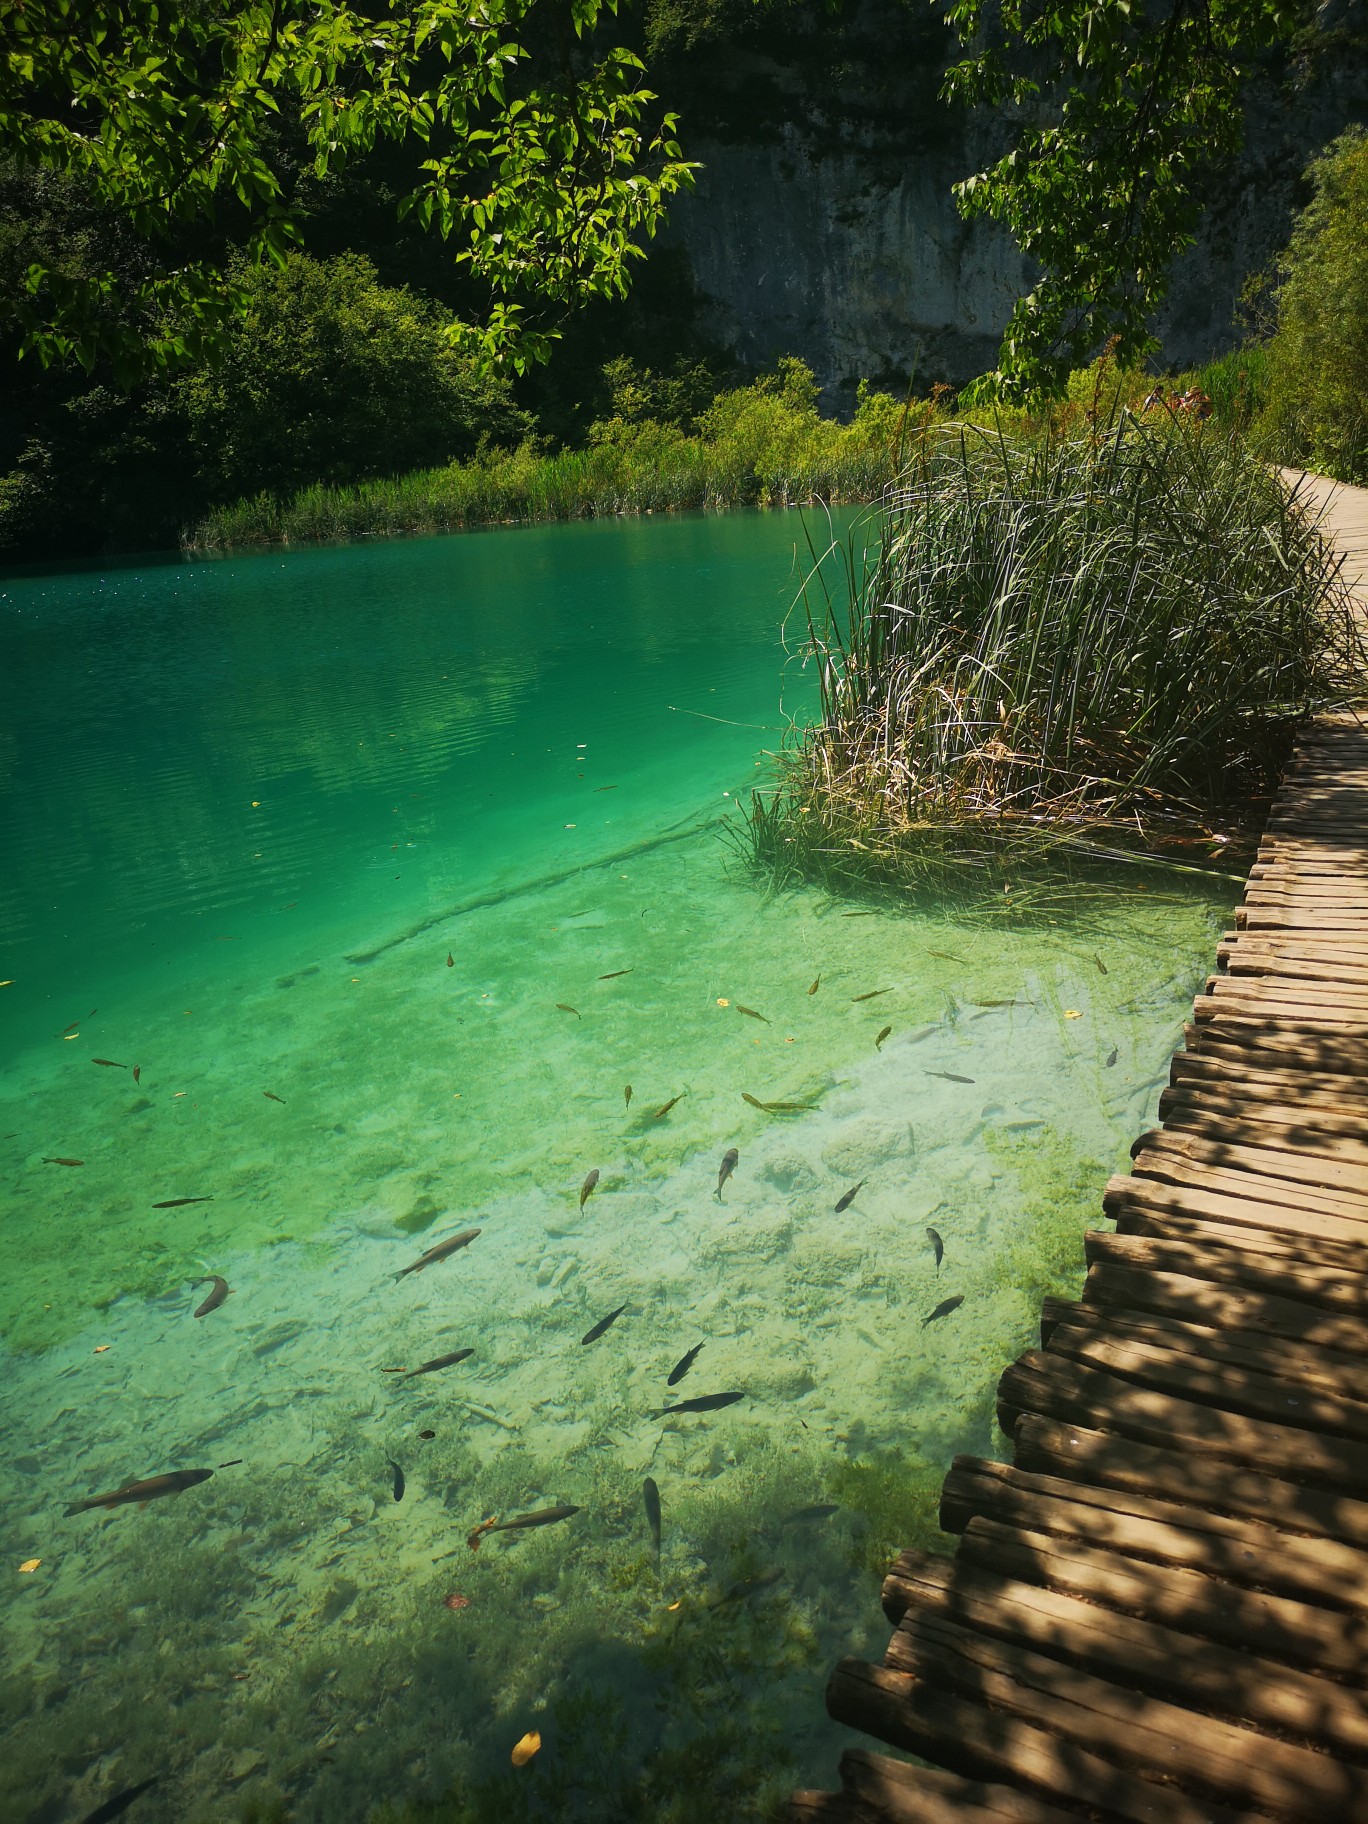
{"points": [[390, 869]]}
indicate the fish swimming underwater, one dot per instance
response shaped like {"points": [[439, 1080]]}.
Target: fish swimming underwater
{"points": [[951, 1076], [48, 1161], [878, 1043], [627, 1096], [665, 1108], [751, 1014], [613, 974], [439, 1361], [1101, 966], [562, 1008], [109, 1063], [706, 1402], [948, 956], [139, 1493], [119, 1804], [815, 986], [650, 1498], [934, 1238], [777, 1108], [1112, 1059], [944, 1308], [844, 1201], [399, 1483], [439, 1251], [682, 1366], [604, 1323], [221, 1290], [730, 1159], [587, 1188], [179, 1203], [803, 1516], [271, 1096], [544, 1516], [873, 995]]}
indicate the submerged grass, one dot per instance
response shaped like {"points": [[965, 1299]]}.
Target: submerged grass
{"points": [[1062, 649]]}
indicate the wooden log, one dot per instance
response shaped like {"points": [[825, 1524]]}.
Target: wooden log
{"points": [[1276, 1628], [927, 1795], [1302, 1124], [1242, 1152], [1124, 1198], [1052, 1386], [1105, 1458], [1223, 1307], [1324, 1288], [1275, 1240], [1295, 1364], [1230, 1386], [1152, 1658], [1188, 1161], [965, 1737], [1202, 1755], [1307, 1143], [1246, 1552]]}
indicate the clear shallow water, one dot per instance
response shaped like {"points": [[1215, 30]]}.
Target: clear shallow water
{"points": [[251, 809]]}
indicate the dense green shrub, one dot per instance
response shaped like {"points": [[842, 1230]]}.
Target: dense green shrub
{"points": [[332, 377], [1316, 413]]}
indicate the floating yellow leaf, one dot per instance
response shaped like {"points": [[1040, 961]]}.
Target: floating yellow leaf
{"points": [[676, 1605], [524, 1749], [722, 1003], [30, 1564], [100, 1348], [1072, 1013], [8, 984]]}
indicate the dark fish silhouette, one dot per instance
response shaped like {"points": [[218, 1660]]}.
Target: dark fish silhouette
{"points": [[109, 1063], [399, 1483], [751, 1014], [66, 1029], [844, 1201], [137, 1072], [586, 1189], [216, 1297], [682, 1366], [271, 1096], [873, 995], [427, 1434], [47, 1161], [948, 956], [627, 1096], [1101, 966], [944, 1308], [562, 1008], [605, 788], [138, 1493], [933, 1236], [776, 1108], [857, 915], [951, 1076], [119, 1804], [604, 1323], [1012, 1003], [613, 974], [666, 1107], [439, 1361], [878, 1043], [1112, 1059], [545, 1516], [706, 1402], [451, 960], [439, 1251], [650, 1496], [815, 986], [802, 1516], [729, 1163], [179, 1203]]}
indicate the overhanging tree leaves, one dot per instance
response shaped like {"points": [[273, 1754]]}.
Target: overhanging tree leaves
{"points": [[1122, 111], [533, 152]]}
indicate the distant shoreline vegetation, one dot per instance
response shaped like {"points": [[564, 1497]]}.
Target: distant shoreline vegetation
{"points": [[763, 445]]}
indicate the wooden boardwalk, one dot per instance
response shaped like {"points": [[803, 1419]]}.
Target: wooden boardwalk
{"points": [[1158, 1613]]}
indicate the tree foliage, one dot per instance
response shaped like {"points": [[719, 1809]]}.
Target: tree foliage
{"points": [[1316, 363], [1121, 110], [532, 151]]}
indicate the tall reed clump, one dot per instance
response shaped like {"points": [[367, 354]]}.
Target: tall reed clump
{"points": [[1063, 646]]}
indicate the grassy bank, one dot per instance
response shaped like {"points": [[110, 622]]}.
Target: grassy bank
{"points": [[1066, 645], [760, 445]]}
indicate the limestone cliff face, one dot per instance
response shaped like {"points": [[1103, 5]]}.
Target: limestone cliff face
{"points": [[823, 223]]}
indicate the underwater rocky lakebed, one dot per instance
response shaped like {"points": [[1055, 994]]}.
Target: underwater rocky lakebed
{"points": [[349, 892]]}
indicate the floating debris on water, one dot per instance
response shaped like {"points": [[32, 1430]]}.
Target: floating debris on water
{"points": [[525, 1747]]}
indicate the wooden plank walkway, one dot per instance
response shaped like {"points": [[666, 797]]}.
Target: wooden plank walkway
{"points": [[1158, 1612]]}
